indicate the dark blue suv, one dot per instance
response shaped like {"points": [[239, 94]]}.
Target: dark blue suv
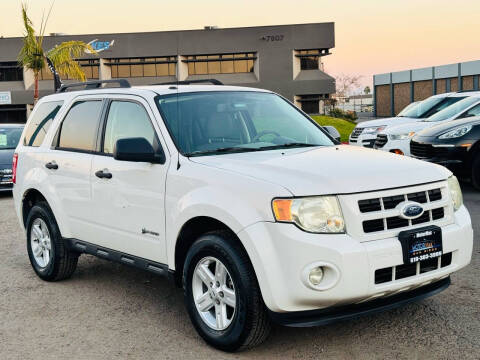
{"points": [[9, 136]]}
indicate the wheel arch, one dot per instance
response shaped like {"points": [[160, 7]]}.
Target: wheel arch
{"points": [[190, 232], [29, 199]]}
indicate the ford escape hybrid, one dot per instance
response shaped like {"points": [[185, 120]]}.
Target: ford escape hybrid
{"points": [[240, 198]]}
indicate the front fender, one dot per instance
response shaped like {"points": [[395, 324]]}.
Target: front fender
{"points": [[235, 200]]}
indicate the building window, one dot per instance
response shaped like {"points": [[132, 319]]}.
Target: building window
{"points": [[220, 63], [143, 67], [90, 67], [13, 114], [311, 103], [10, 71], [310, 59]]}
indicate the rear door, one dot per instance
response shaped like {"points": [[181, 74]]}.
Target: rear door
{"points": [[70, 160], [128, 208]]}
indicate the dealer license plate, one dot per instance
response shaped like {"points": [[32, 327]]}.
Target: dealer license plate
{"points": [[421, 244]]}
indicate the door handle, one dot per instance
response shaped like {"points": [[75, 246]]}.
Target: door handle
{"points": [[52, 165], [103, 174]]}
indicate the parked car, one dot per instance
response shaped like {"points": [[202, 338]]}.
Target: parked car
{"points": [[454, 144], [240, 198], [396, 139], [366, 132], [9, 137]]}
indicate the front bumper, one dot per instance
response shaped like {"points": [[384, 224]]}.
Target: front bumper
{"points": [[281, 252], [453, 156], [6, 180], [342, 313], [392, 145], [364, 140]]}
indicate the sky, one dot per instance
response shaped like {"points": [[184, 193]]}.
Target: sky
{"points": [[371, 36]]}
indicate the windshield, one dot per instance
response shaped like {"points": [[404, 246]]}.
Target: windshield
{"points": [[408, 108], [428, 107], [454, 109], [236, 121], [9, 137]]}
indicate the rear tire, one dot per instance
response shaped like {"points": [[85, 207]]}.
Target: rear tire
{"points": [[476, 172], [247, 323], [48, 253]]}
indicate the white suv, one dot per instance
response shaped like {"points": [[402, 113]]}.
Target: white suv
{"points": [[240, 198], [366, 132], [396, 139]]}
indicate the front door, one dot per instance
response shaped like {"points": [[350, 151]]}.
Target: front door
{"points": [[129, 206]]}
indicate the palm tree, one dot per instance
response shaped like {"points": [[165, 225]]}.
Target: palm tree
{"points": [[33, 57]]}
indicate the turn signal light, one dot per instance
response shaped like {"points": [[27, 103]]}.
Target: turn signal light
{"points": [[398, 152], [282, 209]]}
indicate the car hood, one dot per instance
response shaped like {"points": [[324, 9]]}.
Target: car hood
{"points": [[449, 125], [386, 122], [328, 170], [6, 157], [406, 128]]}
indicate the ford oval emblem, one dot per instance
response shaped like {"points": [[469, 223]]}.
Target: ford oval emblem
{"points": [[411, 210]]}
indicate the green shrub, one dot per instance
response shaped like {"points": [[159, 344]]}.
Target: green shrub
{"points": [[346, 115]]}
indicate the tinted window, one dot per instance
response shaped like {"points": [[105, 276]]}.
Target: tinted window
{"points": [[79, 128], [474, 111], [429, 106], [40, 122], [454, 109], [127, 120], [9, 137], [442, 105]]}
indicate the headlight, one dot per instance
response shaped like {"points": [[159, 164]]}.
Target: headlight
{"points": [[373, 129], [319, 214], [402, 136], [455, 192], [456, 133]]}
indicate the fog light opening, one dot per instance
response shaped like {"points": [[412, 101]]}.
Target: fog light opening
{"points": [[316, 275]]}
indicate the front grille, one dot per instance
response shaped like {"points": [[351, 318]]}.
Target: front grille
{"points": [[381, 140], [356, 132], [396, 222], [393, 273], [426, 150]]}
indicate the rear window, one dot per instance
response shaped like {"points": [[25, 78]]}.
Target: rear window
{"points": [[79, 128], [40, 122]]}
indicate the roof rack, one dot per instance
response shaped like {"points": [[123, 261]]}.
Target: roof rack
{"points": [[96, 84], [188, 82]]}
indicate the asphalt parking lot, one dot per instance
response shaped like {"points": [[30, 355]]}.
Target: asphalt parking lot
{"points": [[108, 311]]}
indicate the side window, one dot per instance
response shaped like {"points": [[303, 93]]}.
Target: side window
{"points": [[474, 111], [79, 128], [127, 120], [40, 123]]}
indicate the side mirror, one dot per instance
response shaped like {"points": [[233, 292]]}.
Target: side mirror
{"points": [[134, 149], [333, 132]]}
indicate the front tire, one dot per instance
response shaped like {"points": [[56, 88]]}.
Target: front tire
{"points": [[50, 257], [222, 295]]}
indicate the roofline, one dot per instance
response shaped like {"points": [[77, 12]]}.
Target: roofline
{"points": [[173, 31]]}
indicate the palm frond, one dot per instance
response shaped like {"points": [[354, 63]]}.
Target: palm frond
{"points": [[63, 58], [31, 54]]}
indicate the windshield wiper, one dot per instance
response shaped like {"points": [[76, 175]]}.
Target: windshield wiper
{"points": [[233, 149], [287, 145], [225, 150]]}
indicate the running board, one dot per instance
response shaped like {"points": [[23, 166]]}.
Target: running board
{"points": [[120, 257]]}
